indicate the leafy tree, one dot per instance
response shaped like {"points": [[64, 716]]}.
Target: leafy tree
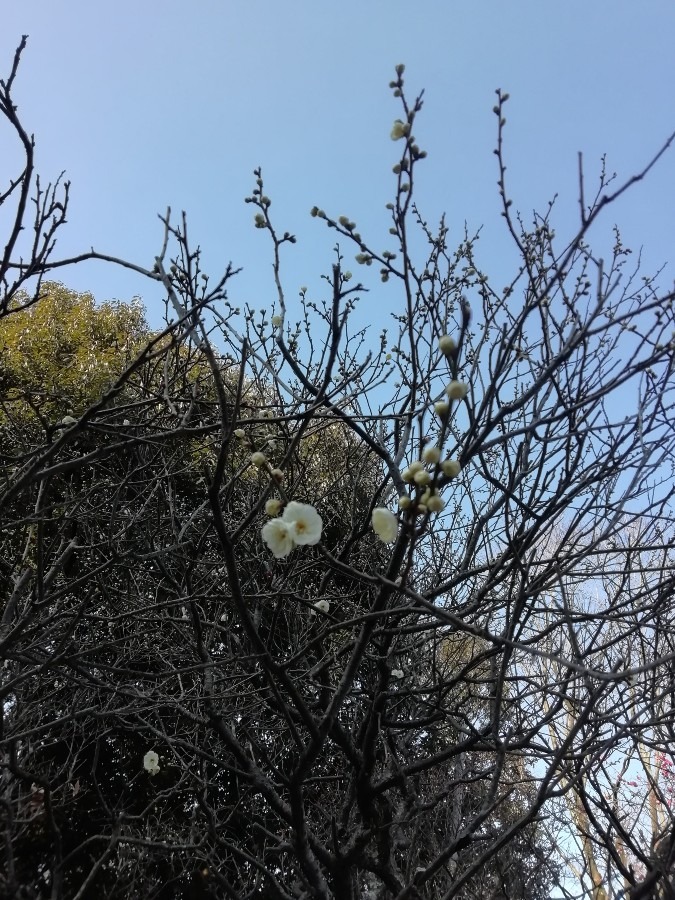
{"points": [[204, 694]]}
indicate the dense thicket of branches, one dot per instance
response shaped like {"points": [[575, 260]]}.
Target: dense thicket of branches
{"points": [[484, 708]]}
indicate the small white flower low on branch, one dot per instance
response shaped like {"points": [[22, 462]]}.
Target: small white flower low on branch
{"points": [[385, 525], [322, 606], [151, 762], [258, 459]]}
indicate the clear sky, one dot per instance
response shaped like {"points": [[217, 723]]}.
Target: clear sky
{"points": [[146, 104]]}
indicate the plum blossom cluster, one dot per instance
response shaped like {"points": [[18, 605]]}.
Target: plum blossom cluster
{"points": [[300, 525], [422, 474]]}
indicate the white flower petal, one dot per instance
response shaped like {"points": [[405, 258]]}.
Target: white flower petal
{"points": [[278, 537], [304, 522], [385, 525], [151, 762]]}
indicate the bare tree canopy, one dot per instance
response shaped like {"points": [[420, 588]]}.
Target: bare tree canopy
{"points": [[289, 611]]}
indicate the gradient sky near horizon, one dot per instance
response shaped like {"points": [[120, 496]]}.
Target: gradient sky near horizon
{"points": [[146, 105]]}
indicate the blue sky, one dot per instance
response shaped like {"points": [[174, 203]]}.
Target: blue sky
{"points": [[147, 104]]}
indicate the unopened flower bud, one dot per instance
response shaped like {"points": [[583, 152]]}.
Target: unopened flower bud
{"points": [[435, 503], [457, 390], [422, 478], [431, 454], [451, 467], [273, 507], [447, 344], [258, 458]]}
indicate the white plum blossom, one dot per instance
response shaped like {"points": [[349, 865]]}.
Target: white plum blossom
{"points": [[422, 478], [442, 408], [385, 525], [277, 321], [399, 130], [322, 605], [67, 421], [239, 433], [304, 522], [404, 502], [278, 537], [151, 762], [397, 673], [300, 524], [258, 458]]}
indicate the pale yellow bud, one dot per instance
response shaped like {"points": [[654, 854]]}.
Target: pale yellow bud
{"points": [[431, 454], [457, 390], [258, 459], [422, 478], [277, 475], [447, 344], [435, 503], [451, 467], [239, 433], [273, 507], [442, 408], [404, 502]]}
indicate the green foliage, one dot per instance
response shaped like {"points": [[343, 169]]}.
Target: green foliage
{"points": [[60, 354]]}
